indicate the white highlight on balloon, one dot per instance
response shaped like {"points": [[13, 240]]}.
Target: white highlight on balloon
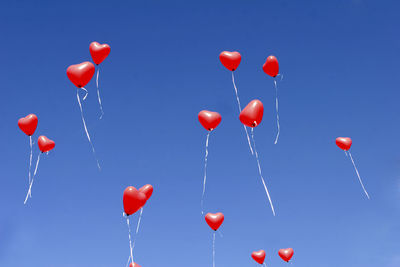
{"points": [[205, 174], [240, 110], [260, 173], [98, 93], [358, 175], [29, 194], [84, 124]]}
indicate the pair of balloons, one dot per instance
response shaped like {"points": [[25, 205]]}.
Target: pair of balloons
{"points": [[134, 199], [231, 61], [28, 125], [81, 74], [286, 254], [250, 116]]}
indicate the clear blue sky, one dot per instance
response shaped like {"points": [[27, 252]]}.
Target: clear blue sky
{"points": [[340, 61]]}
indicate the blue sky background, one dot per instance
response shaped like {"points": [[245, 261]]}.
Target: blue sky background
{"points": [[340, 66]]}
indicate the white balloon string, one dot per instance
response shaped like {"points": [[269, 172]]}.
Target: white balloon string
{"points": [[30, 161], [205, 174], [130, 238], [264, 264], [127, 263], [277, 113], [260, 173], [84, 125], [98, 93], [140, 218], [240, 110], [31, 183], [86, 93], [213, 250], [358, 175]]}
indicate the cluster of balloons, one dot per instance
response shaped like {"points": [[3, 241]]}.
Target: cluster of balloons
{"points": [[251, 116], [81, 74], [286, 254], [134, 200], [28, 125]]}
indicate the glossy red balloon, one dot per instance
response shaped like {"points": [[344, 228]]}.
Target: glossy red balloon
{"points": [[45, 144], [147, 190], [271, 66], [230, 60], [209, 119], [133, 200], [28, 124], [252, 114], [81, 74], [344, 143], [134, 265], [214, 220], [99, 52], [286, 254], [258, 256]]}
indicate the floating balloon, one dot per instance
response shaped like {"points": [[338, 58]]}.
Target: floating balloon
{"points": [[271, 67], [345, 143], [209, 120], [214, 220], [251, 116], [134, 265], [45, 145], [258, 256], [286, 254], [28, 125], [133, 200], [99, 52], [231, 61], [80, 75]]}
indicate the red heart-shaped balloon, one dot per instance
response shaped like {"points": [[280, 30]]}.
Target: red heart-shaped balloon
{"points": [[344, 143], [134, 265], [252, 114], [81, 74], [258, 256], [209, 119], [28, 124], [45, 144], [133, 200], [286, 254], [99, 52], [147, 190], [214, 220], [230, 60], [271, 66]]}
